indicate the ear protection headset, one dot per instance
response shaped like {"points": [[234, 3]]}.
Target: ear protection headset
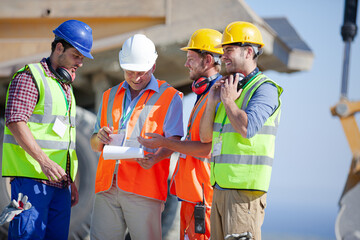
{"points": [[201, 85], [62, 74], [244, 80]]}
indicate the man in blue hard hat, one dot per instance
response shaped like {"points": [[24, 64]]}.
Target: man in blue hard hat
{"points": [[39, 138]]}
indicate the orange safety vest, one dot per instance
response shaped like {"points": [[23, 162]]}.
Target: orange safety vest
{"points": [[191, 172], [147, 117]]}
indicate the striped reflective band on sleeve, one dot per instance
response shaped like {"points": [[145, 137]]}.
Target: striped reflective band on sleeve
{"points": [[243, 159], [43, 143]]}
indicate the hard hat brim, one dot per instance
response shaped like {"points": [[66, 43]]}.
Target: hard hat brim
{"points": [[185, 49], [86, 54], [136, 67], [234, 43], [192, 48]]}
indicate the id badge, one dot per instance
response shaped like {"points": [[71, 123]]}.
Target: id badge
{"points": [[217, 146], [118, 138], [59, 127]]}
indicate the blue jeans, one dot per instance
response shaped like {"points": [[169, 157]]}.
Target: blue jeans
{"points": [[49, 217]]}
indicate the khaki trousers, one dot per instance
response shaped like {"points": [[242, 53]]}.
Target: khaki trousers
{"points": [[236, 212], [116, 210]]}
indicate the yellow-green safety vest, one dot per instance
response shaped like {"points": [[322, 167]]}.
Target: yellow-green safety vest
{"points": [[244, 163], [52, 104]]}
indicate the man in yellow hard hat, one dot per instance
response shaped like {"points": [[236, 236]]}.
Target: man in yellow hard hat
{"points": [[191, 178], [242, 130]]}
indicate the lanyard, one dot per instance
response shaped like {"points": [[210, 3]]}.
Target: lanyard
{"points": [[222, 124], [125, 117], [66, 100]]}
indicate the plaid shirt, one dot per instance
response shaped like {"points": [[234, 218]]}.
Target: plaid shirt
{"points": [[22, 99]]}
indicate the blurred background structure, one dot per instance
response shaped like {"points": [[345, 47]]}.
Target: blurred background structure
{"points": [[26, 31], [26, 34]]}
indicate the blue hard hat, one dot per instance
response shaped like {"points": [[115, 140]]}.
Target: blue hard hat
{"points": [[78, 34]]}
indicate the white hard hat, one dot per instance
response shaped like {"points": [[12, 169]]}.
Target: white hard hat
{"points": [[137, 54]]}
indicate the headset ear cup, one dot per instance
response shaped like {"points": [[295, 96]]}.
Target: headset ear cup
{"points": [[201, 85], [193, 88], [64, 74]]}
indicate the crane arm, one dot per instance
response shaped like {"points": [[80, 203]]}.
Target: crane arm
{"points": [[346, 110]]}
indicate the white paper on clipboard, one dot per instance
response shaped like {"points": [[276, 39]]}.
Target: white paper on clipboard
{"points": [[119, 152], [117, 139]]}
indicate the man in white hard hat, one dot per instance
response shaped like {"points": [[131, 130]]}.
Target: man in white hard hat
{"points": [[130, 193], [190, 182]]}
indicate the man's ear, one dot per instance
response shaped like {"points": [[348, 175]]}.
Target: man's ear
{"points": [[250, 53], [59, 47], [209, 59]]}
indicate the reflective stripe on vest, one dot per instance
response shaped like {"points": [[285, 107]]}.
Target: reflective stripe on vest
{"points": [[245, 163], [191, 172], [148, 116], [58, 145], [51, 105]]}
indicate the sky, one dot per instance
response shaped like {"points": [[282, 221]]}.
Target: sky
{"points": [[312, 156]]}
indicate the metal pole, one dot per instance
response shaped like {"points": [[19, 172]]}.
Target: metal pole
{"points": [[345, 73], [348, 33]]}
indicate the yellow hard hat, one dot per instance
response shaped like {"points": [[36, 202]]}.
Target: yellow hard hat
{"points": [[241, 32], [205, 39]]}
